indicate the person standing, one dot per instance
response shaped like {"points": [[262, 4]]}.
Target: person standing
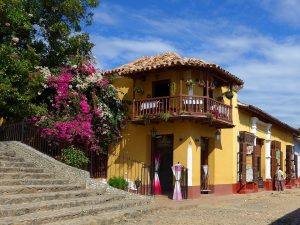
{"points": [[279, 176]]}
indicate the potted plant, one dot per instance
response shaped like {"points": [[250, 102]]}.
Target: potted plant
{"points": [[228, 94], [164, 116], [138, 90], [201, 83], [173, 88], [189, 83], [146, 118], [212, 85], [220, 98]]}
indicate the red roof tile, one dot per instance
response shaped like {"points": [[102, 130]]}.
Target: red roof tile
{"points": [[166, 60]]}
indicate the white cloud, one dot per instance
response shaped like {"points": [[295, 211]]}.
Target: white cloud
{"points": [[104, 18], [108, 14], [272, 83], [111, 50], [284, 10]]}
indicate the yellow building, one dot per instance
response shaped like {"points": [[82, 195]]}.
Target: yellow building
{"points": [[185, 110], [273, 144]]}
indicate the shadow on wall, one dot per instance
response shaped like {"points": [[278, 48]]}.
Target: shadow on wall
{"points": [[289, 219]]}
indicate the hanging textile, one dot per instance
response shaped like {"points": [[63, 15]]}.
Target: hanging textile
{"points": [[204, 177], [177, 168], [156, 181]]}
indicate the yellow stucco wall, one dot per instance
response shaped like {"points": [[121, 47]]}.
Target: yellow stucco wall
{"points": [[124, 86], [174, 76], [225, 154], [285, 137], [277, 134], [136, 144]]}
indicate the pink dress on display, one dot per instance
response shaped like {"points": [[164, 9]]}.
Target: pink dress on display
{"points": [[177, 168], [156, 181]]}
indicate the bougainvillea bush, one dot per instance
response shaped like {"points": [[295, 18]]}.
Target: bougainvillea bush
{"points": [[85, 110]]}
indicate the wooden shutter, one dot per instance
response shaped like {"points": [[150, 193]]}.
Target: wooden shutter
{"points": [[275, 145], [254, 164], [289, 165], [296, 165], [242, 162]]}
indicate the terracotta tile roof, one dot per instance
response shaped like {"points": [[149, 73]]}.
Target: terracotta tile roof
{"points": [[267, 117], [166, 60]]}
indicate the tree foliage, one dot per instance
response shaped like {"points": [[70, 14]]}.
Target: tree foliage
{"points": [[35, 33]]}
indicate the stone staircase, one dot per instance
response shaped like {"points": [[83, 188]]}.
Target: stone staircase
{"points": [[29, 195]]}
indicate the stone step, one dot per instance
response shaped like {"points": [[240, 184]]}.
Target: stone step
{"points": [[116, 217], [21, 169], [18, 210], [15, 164], [10, 158], [25, 189], [42, 217], [22, 175], [45, 196], [32, 182], [7, 153]]}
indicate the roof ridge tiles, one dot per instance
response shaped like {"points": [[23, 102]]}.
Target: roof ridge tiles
{"points": [[166, 60]]}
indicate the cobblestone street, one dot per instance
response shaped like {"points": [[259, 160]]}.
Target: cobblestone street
{"points": [[255, 209]]}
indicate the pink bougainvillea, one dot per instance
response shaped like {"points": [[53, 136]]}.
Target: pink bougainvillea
{"points": [[85, 111], [88, 69]]}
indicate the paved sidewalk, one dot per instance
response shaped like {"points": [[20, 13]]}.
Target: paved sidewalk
{"points": [[254, 209]]}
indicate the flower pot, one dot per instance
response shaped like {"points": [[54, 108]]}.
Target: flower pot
{"points": [[229, 95]]}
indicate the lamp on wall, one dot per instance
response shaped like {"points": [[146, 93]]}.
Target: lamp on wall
{"points": [[218, 135], [153, 132]]}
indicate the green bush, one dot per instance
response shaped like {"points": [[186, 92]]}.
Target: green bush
{"points": [[118, 182], [74, 157]]}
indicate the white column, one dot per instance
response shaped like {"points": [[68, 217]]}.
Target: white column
{"points": [[298, 162], [268, 152], [254, 121], [190, 164], [253, 125]]}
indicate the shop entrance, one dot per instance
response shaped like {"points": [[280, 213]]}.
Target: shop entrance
{"points": [[163, 149], [204, 165], [276, 160], [259, 144]]}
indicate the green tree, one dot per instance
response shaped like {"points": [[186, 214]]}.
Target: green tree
{"points": [[35, 33]]}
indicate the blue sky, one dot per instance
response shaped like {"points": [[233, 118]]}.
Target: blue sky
{"points": [[257, 40]]}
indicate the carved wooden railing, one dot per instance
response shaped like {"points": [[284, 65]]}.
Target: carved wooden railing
{"points": [[180, 105], [219, 110]]}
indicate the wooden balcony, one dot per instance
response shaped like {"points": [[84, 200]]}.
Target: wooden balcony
{"points": [[200, 108]]}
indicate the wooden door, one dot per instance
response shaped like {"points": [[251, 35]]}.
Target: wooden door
{"points": [[161, 88], [164, 146], [296, 165], [288, 163], [204, 163], [259, 143], [275, 145]]}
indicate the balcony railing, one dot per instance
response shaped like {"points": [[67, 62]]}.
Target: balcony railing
{"points": [[182, 105]]}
